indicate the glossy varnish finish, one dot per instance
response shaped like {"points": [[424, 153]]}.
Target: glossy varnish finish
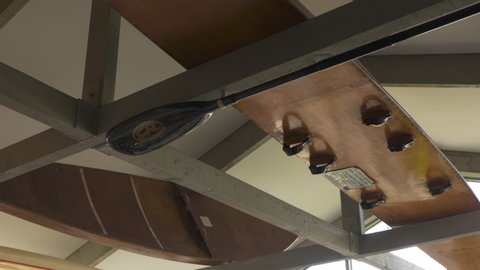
{"points": [[194, 32], [138, 214], [328, 105], [224, 232], [460, 253]]}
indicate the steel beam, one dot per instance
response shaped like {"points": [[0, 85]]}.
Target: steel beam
{"points": [[389, 261], [426, 232], [464, 161], [172, 165], [102, 51], [14, 163], [76, 120], [28, 96], [371, 245], [91, 254], [352, 215], [287, 260], [288, 51], [235, 147], [425, 70], [10, 11], [282, 53]]}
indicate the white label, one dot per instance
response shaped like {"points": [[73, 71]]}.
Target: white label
{"points": [[349, 178], [206, 221]]}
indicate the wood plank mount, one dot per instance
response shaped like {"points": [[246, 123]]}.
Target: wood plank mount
{"points": [[341, 119]]}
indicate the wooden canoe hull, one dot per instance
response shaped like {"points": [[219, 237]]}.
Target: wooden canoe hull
{"points": [[194, 33], [139, 214]]}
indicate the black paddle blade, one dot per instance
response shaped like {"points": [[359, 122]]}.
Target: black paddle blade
{"points": [[155, 128]]}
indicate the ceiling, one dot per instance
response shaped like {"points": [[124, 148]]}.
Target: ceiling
{"points": [[47, 40]]}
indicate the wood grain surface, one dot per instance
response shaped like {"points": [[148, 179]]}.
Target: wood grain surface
{"points": [[139, 214], [224, 231], [194, 33], [328, 106]]}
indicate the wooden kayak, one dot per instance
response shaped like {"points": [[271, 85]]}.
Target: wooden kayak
{"points": [[143, 215]]}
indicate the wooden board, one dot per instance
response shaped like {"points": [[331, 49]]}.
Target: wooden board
{"points": [[194, 32], [328, 105], [138, 214]]}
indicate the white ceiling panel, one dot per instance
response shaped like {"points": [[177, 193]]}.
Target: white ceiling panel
{"points": [[18, 127], [123, 260], [448, 115], [20, 234], [289, 179], [141, 63], [47, 40]]}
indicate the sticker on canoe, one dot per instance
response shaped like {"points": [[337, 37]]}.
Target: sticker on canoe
{"points": [[349, 178]]}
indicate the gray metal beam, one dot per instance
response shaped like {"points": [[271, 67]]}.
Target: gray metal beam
{"points": [[282, 53], [425, 70], [464, 161], [352, 220], [28, 96], [371, 245], [287, 260], [299, 46], [426, 232], [91, 254], [102, 51], [389, 261], [352, 215], [235, 147], [40, 150], [172, 165], [279, 54], [77, 120], [10, 11], [30, 149]]}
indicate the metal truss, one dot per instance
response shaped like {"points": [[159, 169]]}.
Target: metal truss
{"points": [[78, 125]]}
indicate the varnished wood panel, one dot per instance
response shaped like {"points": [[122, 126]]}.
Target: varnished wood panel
{"points": [[56, 192], [117, 207], [194, 32], [456, 254], [328, 105], [180, 237], [139, 214], [231, 234]]}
